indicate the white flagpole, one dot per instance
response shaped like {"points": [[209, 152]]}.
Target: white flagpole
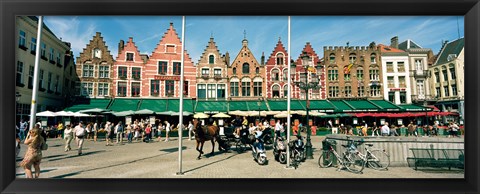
{"points": [[180, 119], [289, 89], [33, 106]]}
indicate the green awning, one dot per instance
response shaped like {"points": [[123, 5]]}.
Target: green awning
{"points": [[320, 105], [174, 105], [341, 106], [386, 105], [361, 105], [120, 105], [237, 105], [336, 115], [212, 106], [156, 105], [92, 103], [413, 107], [253, 105], [281, 105]]}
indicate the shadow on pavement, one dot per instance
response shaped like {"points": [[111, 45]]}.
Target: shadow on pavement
{"points": [[41, 171], [75, 155], [171, 150], [114, 165], [211, 163]]}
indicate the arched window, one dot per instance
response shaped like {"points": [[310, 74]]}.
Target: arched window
{"points": [[257, 70], [352, 58], [234, 70], [275, 75], [280, 59], [234, 88], [211, 59], [332, 58], [285, 75], [276, 91], [257, 86], [373, 58], [245, 68], [246, 86], [285, 91]]}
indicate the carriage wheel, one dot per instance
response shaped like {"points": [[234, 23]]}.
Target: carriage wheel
{"points": [[240, 147]]}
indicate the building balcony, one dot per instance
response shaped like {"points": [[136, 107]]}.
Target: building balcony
{"points": [[23, 47], [423, 98], [52, 61], [59, 64], [44, 57], [420, 73]]}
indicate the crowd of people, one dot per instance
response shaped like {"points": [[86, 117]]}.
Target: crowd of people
{"points": [[452, 129]]}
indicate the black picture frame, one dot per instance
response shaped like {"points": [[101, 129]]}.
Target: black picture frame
{"points": [[9, 9]]}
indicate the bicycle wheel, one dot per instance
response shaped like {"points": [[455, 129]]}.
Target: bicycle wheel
{"points": [[353, 162], [378, 160], [326, 159]]}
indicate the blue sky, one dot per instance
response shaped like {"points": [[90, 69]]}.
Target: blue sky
{"points": [[262, 32]]}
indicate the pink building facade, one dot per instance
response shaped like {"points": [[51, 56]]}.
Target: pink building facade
{"points": [[127, 71], [161, 75]]}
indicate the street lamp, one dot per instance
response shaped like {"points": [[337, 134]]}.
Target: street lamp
{"points": [[304, 84]]}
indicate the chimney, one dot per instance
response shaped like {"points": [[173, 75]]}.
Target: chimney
{"points": [[394, 42], [121, 44], [263, 59], [227, 59]]}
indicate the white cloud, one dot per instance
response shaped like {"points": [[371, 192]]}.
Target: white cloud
{"points": [[70, 29]]}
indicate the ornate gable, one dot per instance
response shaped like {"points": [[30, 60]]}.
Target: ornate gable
{"points": [[279, 48], [130, 47], [97, 43]]}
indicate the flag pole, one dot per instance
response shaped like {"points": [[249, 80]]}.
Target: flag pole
{"points": [[180, 119], [289, 89], [33, 106]]}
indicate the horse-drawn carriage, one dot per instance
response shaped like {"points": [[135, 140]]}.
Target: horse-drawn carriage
{"points": [[241, 143]]}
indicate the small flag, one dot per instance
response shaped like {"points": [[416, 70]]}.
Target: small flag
{"points": [[312, 69]]}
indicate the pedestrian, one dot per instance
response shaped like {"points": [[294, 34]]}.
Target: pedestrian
{"points": [[95, 130], [148, 131], [23, 129], [33, 155], [252, 128], [454, 129], [190, 130], [393, 130], [80, 133], [411, 129], [129, 133], [167, 130], [109, 136], [88, 130], [278, 129], [329, 124], [245, 122], [120, 130], [60, 129], [385, 129], [375, 129], [68, 136]]}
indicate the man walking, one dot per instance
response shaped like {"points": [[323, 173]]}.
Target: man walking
{"points": [[80, 135], [120, 130]]}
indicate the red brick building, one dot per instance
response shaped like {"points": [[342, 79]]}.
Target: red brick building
{"points": [[127, 71], [277, 72], [161, 75], [299, 70]]}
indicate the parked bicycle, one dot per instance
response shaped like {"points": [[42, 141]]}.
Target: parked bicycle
{"points": [[377, 159], [350, 159]]}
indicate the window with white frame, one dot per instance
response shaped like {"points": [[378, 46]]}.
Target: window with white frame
{"points": [[21, 39], [211, 59], [452, 72], [205, 71], [49, 81], [122, 72], [454, 90], [129, 56], [390, 82], [52, 54], [276, 91], [285, 75], [275, 75], [221, 91], [419, 64], [217, 72], [104, 71], [31, 69], [389, 67], [446, 92], [162, 67], [103, 89], [359, 74], [19, 78], [176, 68], [59, 59], [40, 77], [122, 89], [234, 88], [135, 89], [280, 59], [202, 91], [401, 66], [43, 50], [211, 91], [348, 91], [373, 58], [154, 87], [401, 81], [246, 87], [375, 91], [136, 72], [361, 91], [333, 91], [33, 45], [257, 88], [421, 89], [332, 58], [374, 75], [87, 70], [87, 88], [403, 97]]}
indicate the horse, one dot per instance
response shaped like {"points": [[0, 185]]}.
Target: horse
{"points": [[205, 133]]}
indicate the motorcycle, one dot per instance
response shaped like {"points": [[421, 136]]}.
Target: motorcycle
{"points": [[258, 150], [280, 150], [267, 136], [297, 149]]}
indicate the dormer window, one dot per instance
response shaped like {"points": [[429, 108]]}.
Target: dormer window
{"points": [[97, 53], [279, 59], [129, 56], [451, 57]]}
